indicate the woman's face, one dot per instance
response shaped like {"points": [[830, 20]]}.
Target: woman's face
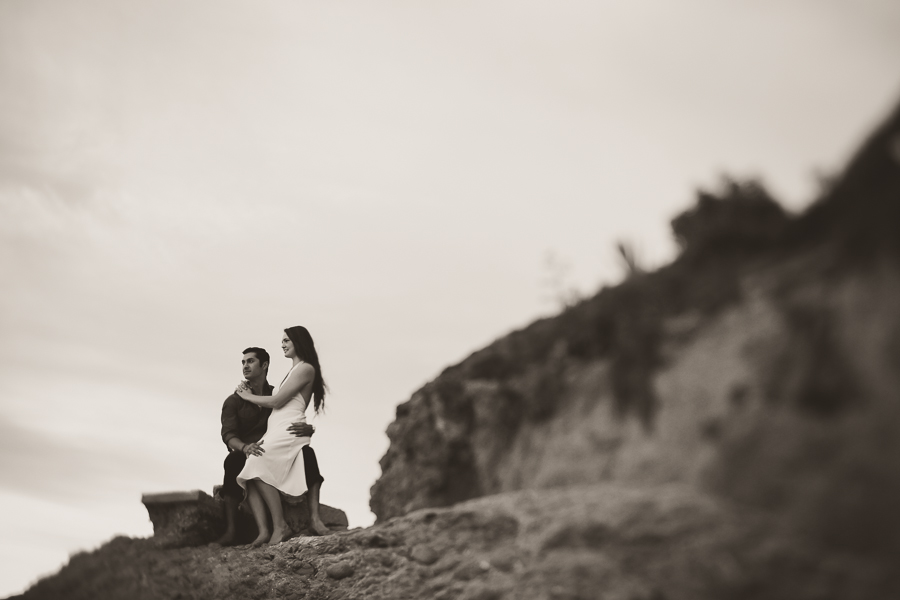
{"points": [[287, 346]]}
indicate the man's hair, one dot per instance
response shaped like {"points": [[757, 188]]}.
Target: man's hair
{"points": [[261, 355]]}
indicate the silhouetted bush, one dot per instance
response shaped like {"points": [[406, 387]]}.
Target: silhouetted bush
{"points": [[742, 217]]}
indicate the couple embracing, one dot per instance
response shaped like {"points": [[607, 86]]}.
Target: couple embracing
{"points": [[268, 439]]}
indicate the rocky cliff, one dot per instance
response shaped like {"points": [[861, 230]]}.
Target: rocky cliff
{"points": [[762, 366], [724, 427]]}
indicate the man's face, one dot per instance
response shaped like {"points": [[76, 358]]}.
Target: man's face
{"points": [[251, 366]]}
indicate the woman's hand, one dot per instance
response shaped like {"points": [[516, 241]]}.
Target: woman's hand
{"points": [[255, 449], [242, 390]]}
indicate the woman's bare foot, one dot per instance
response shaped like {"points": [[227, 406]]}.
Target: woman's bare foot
{"points": [[261, 539], [318, 527], [279, 534]]}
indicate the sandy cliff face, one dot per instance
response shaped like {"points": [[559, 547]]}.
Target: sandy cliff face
{"points": [[783, 396], [762, 367]]}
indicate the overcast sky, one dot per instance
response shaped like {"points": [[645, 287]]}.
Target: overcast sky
{"points": [[180, 180]]}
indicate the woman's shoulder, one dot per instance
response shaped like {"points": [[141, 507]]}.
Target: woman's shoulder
{"points": [[302, 369]]}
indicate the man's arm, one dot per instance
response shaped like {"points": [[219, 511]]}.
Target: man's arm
{"points": [[229, 421], [230, 427], [301, 429]]}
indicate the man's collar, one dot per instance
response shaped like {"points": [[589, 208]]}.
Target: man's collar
{"points": [[266, 388]]}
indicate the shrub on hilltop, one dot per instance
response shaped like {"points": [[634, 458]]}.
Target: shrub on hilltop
{"points": [[725, 231]]}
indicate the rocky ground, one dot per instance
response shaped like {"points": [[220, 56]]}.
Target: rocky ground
{"points": [[600, 541]]}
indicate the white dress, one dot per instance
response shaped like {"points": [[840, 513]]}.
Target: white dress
{"points": [[281, 465]]}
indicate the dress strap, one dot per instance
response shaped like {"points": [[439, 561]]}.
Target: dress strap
{"points": [[289, 374]]}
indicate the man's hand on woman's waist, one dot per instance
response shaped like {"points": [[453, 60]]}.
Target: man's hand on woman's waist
{"points": [[301, 429]]}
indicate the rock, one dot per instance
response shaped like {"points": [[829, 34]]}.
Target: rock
{"points": [[339, 570], [424, 554], [505, 560], [331, 544], [379, 540], [183, 518], [387, 560], [296, 513], [483, 593], [302, 568], [447, 562], [470, 569]]}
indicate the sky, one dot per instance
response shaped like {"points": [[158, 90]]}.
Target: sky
{"points": [[409, 180]]}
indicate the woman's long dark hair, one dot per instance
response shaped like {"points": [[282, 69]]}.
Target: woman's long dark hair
{"points": [[306, 351]]}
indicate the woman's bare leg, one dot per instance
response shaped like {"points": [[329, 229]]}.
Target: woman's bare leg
{"points": [[258, 507], [272, 497], [315, 522]]}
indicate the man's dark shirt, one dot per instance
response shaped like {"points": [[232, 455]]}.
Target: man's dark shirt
{"points": [[243, 419]]}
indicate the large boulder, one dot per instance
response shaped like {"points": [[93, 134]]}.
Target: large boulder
{"points": [[183, 518], [296, 513]]}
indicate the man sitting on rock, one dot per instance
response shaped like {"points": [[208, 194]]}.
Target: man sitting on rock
{"points": [[243, 425]]}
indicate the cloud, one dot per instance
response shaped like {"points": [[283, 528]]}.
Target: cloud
{"points": [[70, 470]]}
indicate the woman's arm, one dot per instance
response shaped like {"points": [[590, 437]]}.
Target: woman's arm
{"points": [[298, 378]]}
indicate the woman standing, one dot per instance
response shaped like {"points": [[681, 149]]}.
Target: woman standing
{"points": [[286, 463]]}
